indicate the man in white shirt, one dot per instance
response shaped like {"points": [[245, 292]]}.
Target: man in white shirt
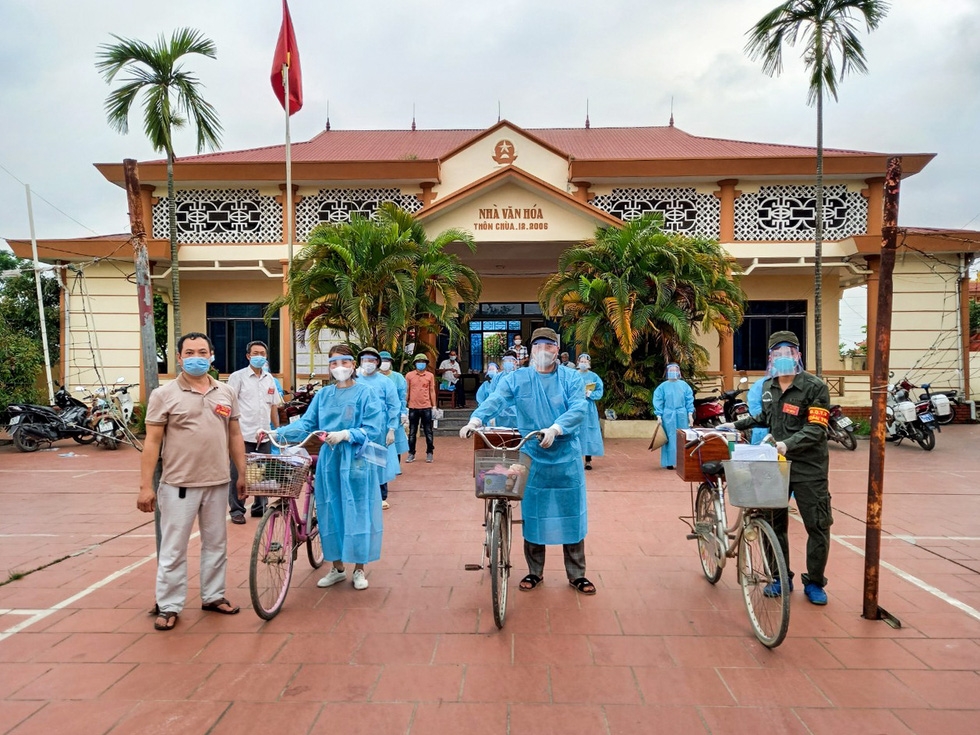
{"points": [[521, 351], [450, 372], [258, 401]]}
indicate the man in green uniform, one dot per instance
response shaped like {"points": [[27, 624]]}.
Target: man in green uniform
{"points": [[796, 408]]}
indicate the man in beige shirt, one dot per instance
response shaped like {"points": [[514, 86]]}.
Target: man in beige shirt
{"points": [[420, 397], [195, 421]]}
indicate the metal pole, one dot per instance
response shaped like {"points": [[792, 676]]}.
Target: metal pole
{"points": [[40, 298], [289, 221], [144, 291], [883, 338]]}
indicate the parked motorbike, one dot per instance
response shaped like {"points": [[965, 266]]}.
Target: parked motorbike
{"points": [[841, 429], [943, 403], [102, 420], [32, 425], [708, 411], [735, 408], [903, 421], [298, 403]]}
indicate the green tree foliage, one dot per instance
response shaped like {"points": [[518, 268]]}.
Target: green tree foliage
{"points": [[172, 98], [636, 298], [18, 304], [974, 317], [826, 30], [375, 279], [21, 362]]}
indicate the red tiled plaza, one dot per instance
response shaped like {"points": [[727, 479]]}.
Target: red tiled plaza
{"points": [[657, 650]]}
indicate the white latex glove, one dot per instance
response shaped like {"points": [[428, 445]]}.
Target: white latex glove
{"points": [[549, 435], [781, 448], [390, 438], [335, 437], [690, 419], [467, 431], [588, 393], [405, 420], [726, 427]]}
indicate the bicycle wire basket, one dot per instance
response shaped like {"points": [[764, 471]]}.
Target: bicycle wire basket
{"points": [[757, 483], [501, 473], [279, 476]]}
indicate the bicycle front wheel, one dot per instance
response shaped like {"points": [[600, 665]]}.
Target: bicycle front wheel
{"points": [[271, 565], [761, 564], [706, 523], [314, 544], [499, 562]]}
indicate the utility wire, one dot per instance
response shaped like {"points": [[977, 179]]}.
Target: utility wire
{"points": [[54, 207]]}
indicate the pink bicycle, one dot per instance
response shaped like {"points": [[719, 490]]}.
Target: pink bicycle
{"points": [[289, 521]]}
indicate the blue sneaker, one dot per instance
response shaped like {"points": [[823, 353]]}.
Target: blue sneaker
{"points": [[815, 594], [775, 589]]}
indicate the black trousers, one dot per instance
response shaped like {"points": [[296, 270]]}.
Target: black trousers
{"points": [[415, 417], [813, 501], [574, 559]]}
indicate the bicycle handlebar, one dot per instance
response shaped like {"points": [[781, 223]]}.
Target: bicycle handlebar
{"points": [[265, 435], [539, 435]]}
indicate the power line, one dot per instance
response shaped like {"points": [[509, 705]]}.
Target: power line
{"points": [[54, 207]]}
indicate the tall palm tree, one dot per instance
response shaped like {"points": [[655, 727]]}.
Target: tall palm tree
{"points": [[171, 97], [374, 279], [827, 32], [638, 297]]}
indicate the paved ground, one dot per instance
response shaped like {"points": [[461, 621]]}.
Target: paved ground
{"points": [[657, 650]]}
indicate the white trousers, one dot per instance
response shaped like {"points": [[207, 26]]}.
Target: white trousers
{"points": [[177, 514]]}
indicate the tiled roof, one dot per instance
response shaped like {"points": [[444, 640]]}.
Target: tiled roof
{"points": [[578, 143]]}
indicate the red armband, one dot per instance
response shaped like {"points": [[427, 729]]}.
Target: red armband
{"points": [[818, 416]]}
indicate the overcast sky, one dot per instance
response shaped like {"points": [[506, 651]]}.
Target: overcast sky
{"points": [[455, 59]]}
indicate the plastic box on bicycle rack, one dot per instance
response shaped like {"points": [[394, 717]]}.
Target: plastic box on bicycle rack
{"points": [[757, 483], [276, 475], [688, 461], [500, 474]]}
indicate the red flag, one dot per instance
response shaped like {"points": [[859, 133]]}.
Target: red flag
{"points": [[288, 54]]}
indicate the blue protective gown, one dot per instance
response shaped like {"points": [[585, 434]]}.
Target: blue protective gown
{"points": [[388, 395], [505, 416], [484, 390], [754, 399], [401, 386], [346, 487], [554, 507], [590, 435], [673, 400]]}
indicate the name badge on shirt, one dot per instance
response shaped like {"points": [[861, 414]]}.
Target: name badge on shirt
{"points": [[222, 410], [791, 409], [271, 391]]}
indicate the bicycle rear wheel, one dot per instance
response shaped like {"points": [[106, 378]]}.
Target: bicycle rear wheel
{"points": [[314, 544], [271, 565], [500, 562], [706, 521], [760, 563]]}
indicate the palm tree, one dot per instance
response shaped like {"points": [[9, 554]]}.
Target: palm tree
{"points": [[636, 298], [171, 98], [374, 279], [831, 48]]}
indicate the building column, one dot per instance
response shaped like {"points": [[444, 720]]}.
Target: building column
{"points": [[874, 265], [876, 204], [727, 193], [146, 194], [286, 333], [726, 358], [427, 195], [965, 325], [282, 200], [582, 192]]}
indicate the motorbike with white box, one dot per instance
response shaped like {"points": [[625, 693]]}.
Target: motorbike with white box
{"points": [[904, 421]]}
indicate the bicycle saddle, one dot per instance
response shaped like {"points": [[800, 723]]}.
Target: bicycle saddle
{"points": [[713, 468]]}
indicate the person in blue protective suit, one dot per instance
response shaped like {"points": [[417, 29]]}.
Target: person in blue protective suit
{"points": [[590, 434], [484, 390], [551, 400], [754, 399], [401, 386], [370, 360], [507, 415], [346, 487], [673, 403]]}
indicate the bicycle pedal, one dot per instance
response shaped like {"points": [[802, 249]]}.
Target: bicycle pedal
{"points": [[692, 536]]}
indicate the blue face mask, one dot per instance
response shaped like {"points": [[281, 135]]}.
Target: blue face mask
{"points": [[673, 375], [784, 366], [196, 366], [257, 361], [509, 365], [420, 366]]}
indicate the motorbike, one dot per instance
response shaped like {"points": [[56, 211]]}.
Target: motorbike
{"points": [[904, 421], [298, 403], [718, 408], [841, 429], [943, 403], [32, 425], [735, 408], [109, 417]]}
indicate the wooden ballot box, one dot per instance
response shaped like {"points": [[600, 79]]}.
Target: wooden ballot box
{"points": [[689, 458]]}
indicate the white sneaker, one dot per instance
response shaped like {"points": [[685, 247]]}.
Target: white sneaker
{"points": [[333, 576], [384, 505], [359, 580]]}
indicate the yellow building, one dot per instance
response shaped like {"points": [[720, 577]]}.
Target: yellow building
{"points": [[525, 195]]}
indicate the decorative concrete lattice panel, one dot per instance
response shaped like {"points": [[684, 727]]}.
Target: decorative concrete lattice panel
{"points": [[337, 205], [684, 210], [221, 215], [789, 213]]}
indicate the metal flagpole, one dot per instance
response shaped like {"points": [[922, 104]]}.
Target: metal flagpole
{"points": [[289, 218], [40, 298]]}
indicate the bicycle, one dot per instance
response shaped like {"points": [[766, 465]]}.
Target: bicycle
{"points": [[288, 522], [501, 473], [752, 487]]}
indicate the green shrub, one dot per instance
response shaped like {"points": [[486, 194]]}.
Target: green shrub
{"points": [[862, 427]]}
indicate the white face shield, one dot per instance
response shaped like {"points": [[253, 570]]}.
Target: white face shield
{"points": [[785, 359], [544, 353]]}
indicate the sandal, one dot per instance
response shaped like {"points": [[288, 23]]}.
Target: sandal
{"points": [[529, 582], [165, 621], [216, 606], [584, 586]]}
